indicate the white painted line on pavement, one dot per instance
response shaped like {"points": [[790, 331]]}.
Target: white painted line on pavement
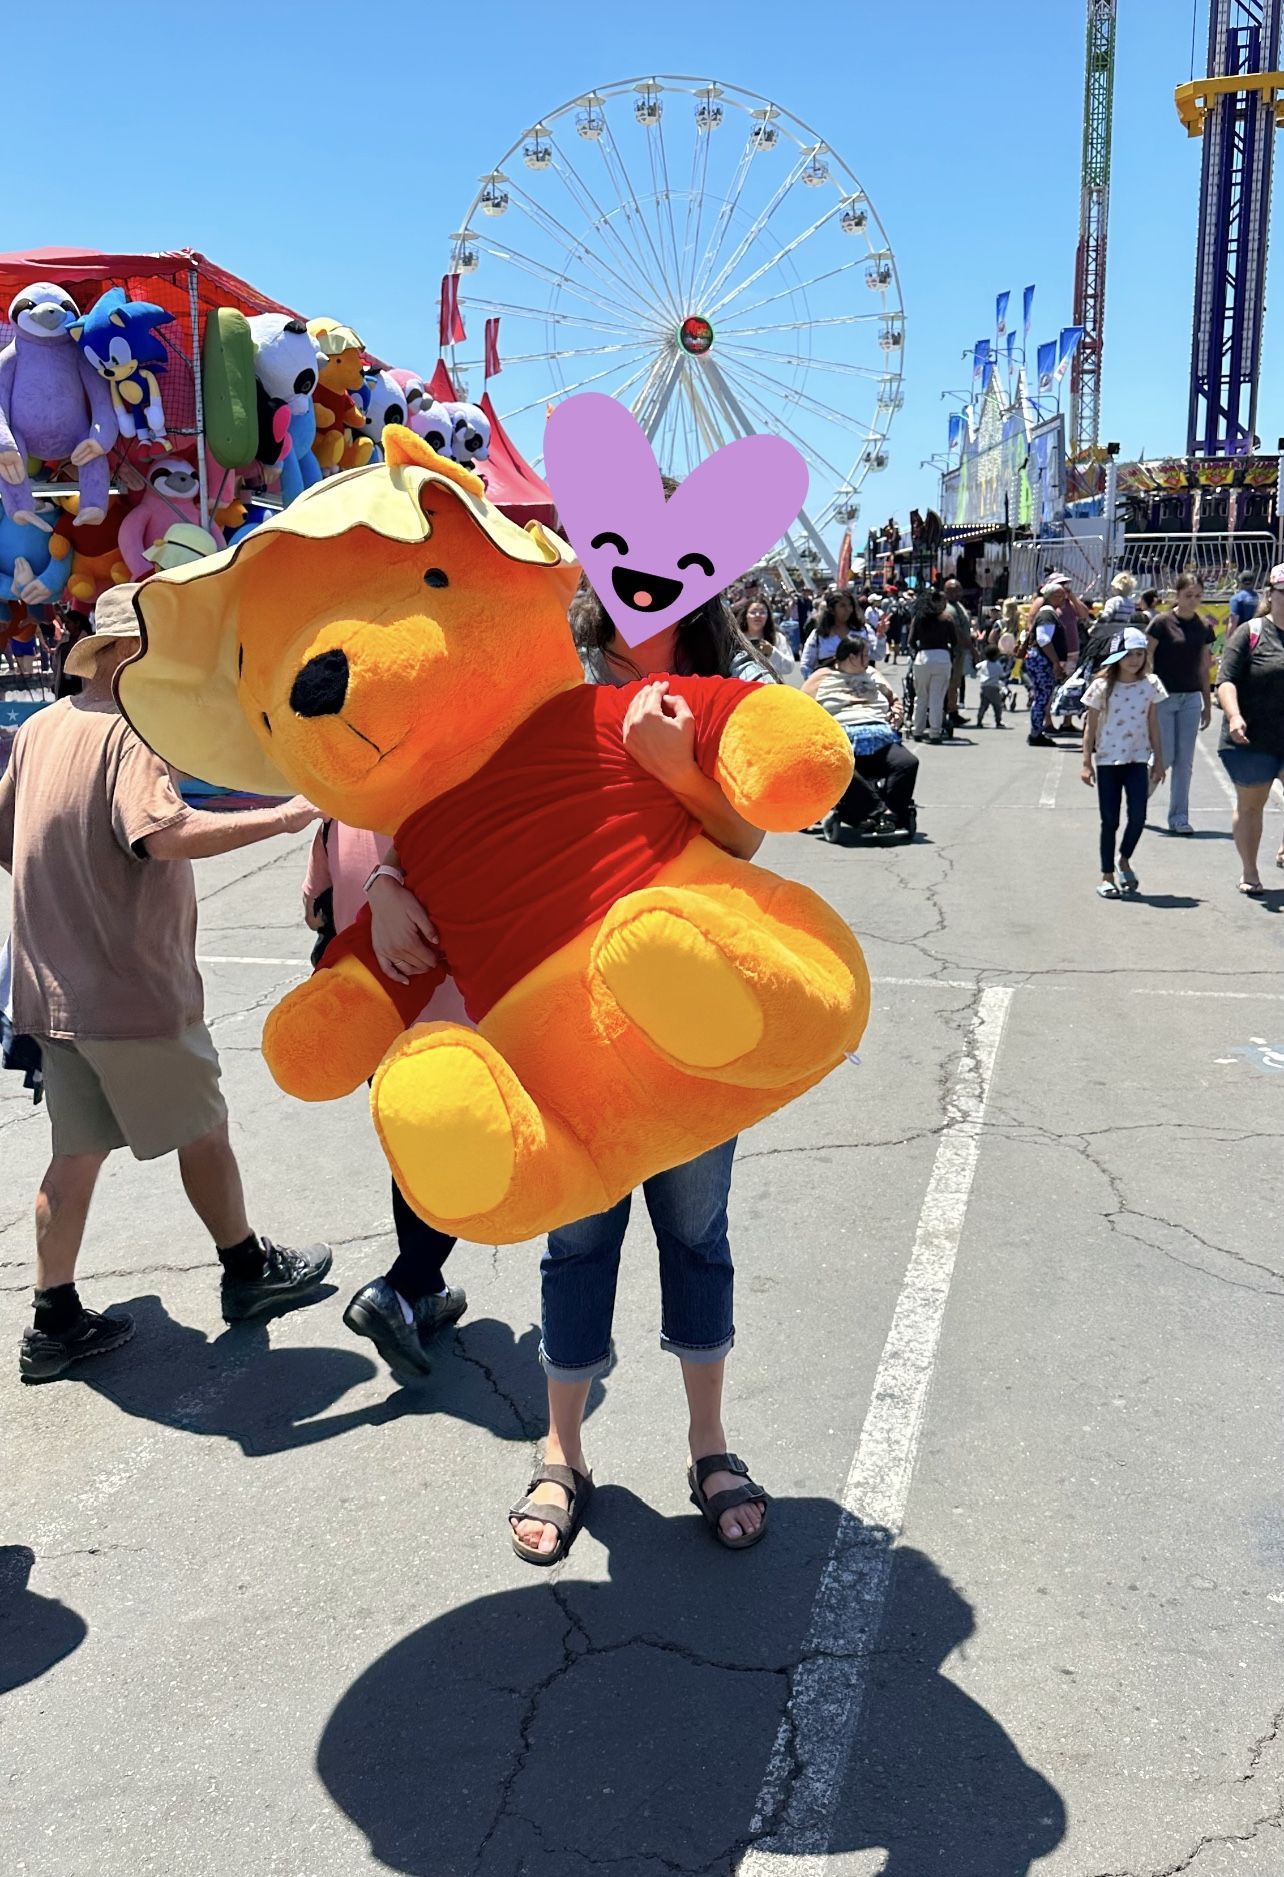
{"points": [[820, 1723], [1048, 799], [1143, 990], [931, 984], [1220, 776], [287, 964]]}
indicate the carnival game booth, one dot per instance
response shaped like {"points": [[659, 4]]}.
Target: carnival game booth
{"points": [[155, 408]]}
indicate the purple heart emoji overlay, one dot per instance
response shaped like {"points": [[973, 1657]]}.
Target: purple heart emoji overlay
{"points": [[649, 561]]}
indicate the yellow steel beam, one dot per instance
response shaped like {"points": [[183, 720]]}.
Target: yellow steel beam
{"points": [[1194, 101]]}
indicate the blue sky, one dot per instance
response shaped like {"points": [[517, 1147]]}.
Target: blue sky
{"points": [[326, 154]]}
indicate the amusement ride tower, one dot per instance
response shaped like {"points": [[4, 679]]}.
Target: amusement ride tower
{"points": [[1236, 110], [1094, 210]]}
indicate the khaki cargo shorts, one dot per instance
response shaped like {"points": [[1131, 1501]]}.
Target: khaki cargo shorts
{"points": [[153, 1095]]}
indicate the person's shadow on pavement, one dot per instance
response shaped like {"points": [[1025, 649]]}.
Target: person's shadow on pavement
{"points": [[241, 1387], [570, 1724], [35, 1632]]}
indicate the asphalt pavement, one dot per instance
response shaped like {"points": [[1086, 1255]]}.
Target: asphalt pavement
{"points": [[1008, 1359]]}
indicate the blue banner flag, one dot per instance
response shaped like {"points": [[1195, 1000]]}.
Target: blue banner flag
{"points": [[1027, 310], [980, 353], [1070, 337], [956, 427], [1047, 364], [1001, 313], [1011, 350]]}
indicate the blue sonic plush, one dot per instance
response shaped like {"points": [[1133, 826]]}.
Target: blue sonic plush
{"points": [[118, 338]]}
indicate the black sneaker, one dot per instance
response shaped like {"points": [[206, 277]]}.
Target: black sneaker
{"points": [[375, 1312], [43, 1356], [288, 1277]]}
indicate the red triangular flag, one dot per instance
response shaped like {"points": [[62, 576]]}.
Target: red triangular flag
{"points": [[450, 330], [492, 366]]}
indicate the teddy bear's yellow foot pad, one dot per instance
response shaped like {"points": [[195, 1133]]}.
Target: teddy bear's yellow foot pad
{"points": [[443, 1102], [678, 987]]}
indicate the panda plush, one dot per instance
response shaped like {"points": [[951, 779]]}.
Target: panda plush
{"points": [[287, 363], [470, 434]]}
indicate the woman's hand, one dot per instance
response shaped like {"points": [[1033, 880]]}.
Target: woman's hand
{"points": [[1238, 729], [1157, 774], [659, 734], [1088, 774], [1206, 715], [403, 936]]}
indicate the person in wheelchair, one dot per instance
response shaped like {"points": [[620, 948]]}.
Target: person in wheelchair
{"points": [[880, 796]]}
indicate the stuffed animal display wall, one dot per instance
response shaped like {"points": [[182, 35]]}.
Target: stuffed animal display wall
{"points": [[53, 404], [118, 338], [640, 995]]}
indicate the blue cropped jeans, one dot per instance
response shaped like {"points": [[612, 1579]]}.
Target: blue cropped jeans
{"points": [[578, 1272]]}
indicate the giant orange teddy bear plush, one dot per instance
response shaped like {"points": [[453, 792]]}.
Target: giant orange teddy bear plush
{"points": [[393, 647]]}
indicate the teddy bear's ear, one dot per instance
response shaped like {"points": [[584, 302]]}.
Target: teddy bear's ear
{"points": [[402, 448]]}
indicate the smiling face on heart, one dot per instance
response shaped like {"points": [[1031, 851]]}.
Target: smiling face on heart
{"points": [[652, 561]]}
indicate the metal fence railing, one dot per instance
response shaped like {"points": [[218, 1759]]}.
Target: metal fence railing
{"points": [[1081, 556], [1222, 561]]}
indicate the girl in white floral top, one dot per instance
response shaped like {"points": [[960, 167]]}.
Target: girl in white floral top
{"points": [[1122, 753]]}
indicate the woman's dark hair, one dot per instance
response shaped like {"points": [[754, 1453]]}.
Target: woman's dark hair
{"points": [[741, 614], [848, 648], [824, 623], [1150, 597], [1187, 580], [708, 640], [931, 603]]}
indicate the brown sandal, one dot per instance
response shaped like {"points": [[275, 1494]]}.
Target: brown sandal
{"points": [[712, 1509], [565, 1523]]}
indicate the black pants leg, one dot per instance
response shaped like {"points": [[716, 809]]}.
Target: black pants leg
{"points": [[861, 799], [897, 770], [900, 773], [421, 1252], [1110, 784], [1136, 785]]}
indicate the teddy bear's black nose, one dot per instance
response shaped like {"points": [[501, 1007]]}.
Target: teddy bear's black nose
{"points": [[321, 686]]}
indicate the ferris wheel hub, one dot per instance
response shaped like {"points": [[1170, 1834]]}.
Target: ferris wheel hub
{"points": [[695, 335]]}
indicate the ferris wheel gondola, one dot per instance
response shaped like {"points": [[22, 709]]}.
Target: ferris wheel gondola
{"points": [[699, 252]]}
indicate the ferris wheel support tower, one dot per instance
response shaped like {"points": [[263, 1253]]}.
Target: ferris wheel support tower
{"points": [[1094, 212], [1236, 110]]}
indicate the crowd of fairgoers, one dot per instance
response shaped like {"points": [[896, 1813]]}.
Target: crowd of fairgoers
{"points": [[1133, 678]]}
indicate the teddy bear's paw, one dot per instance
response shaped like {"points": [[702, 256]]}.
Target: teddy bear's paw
{"points": [[448, 1110], [325, 1039]]}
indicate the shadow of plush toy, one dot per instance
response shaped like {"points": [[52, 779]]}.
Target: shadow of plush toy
{"points": [[628, 1724]]}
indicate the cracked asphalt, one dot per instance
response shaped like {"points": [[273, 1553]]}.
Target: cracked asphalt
{"points": [[258, 1612]]}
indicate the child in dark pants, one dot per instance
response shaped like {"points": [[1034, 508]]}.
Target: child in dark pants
{"points": [[401, 1311], [993, 679], [1122, 754]]}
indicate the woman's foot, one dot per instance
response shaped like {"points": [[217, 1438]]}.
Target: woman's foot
{"points": [[741, 1521], [1127, 878], [533, 1531], [1108, 889], [1253, 889]]}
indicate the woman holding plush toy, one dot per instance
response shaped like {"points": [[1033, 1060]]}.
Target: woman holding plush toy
{"points": [[687, 1204]]}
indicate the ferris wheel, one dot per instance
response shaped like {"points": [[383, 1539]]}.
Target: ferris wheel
{"points": [[703, 255]]}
